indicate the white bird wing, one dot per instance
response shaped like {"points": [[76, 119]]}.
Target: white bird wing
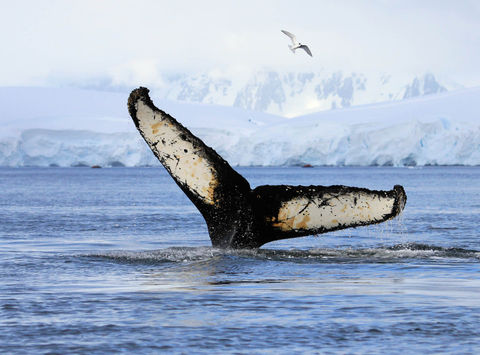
{"points": [[306, 50], [292, 37]]}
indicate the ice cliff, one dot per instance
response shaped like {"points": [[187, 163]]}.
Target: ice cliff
{"points": [[73, 127]]}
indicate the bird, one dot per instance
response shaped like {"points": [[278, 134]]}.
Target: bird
{"points": [[296, 44]]}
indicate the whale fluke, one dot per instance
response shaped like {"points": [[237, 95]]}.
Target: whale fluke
{"points": [[236, 215]]}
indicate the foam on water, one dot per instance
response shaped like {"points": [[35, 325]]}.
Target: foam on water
{"points": [[98, 261], [348, 255]]}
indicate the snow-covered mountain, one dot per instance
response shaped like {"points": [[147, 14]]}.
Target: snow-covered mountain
{"points": [[285, 94], [73, 127], [293, 94]]}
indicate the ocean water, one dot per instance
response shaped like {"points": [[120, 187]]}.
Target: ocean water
{"points": [[118, 260]]}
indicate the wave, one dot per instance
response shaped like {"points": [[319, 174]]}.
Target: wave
{"points": [[396, 253]]}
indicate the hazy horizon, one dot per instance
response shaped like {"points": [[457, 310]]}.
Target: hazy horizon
{"points": [[139, 42]]}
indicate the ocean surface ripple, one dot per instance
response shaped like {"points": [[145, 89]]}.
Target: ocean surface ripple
{"points": [[118, 260]]}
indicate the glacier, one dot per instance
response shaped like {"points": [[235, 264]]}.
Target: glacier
{"points": [[74, 127], [289, 94]]}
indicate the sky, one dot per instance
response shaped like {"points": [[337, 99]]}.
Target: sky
{"points": [[64, 42]]}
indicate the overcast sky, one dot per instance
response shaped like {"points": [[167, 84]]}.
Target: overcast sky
{"points": [[135, 42]]}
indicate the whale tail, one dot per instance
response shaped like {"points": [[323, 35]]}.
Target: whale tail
{"points": [[236, 215], [221, 194]]}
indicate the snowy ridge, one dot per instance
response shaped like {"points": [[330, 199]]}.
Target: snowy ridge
{"points": [[72, 127], [291, 94]]}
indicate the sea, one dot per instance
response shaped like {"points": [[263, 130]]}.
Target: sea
{"points": [[118, 260]]}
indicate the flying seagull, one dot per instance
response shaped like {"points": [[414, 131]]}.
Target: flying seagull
{"points": [[296, 44]]}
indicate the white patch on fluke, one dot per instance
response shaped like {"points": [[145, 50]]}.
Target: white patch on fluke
{"points": [[177, 155], [332, 211]]}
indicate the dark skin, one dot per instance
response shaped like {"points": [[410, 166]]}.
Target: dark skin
{"points": [[244, 218]]}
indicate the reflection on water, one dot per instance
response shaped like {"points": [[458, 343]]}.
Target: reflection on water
{"points": [[308, 272], [119, 261]]}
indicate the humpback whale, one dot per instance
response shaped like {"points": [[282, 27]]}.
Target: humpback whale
{"points": [[238, 216]]}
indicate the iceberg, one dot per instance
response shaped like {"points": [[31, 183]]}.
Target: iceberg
{"points": [[74, 127]]}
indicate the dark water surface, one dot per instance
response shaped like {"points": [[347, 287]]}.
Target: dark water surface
{"points": [[118, 260]]}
